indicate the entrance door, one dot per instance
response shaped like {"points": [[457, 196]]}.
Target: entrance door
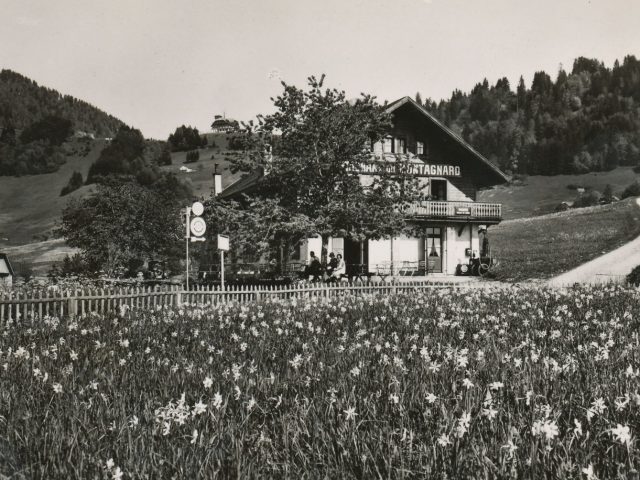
{"points": [[356, 257], [433, 250]]}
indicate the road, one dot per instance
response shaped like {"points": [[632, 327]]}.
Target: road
{"points": [[612, 266]]}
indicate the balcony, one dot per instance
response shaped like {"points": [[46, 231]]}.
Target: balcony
{"points": [[456, 211]]}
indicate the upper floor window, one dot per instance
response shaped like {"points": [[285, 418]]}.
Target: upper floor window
{"points": [[387, 145], [400, 145], [419, 148]]}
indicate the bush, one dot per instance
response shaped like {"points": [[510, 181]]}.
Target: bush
{"points": [[634, 277], [192, 156], [589, 199], [165, 157], [632, 190]]}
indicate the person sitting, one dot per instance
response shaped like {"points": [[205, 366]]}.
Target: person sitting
{"points": [[331, 266], [314, 269], [340, 270]]}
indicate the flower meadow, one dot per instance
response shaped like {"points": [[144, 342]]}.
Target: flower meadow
{"points": [[511, 383]]}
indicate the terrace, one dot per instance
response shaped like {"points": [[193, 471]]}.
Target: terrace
{"points": [[456, 211]]}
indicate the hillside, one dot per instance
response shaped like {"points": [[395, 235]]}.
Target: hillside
{"points": [[539, 195], [31, 205], [201, 180], [548, 245], [586, 119], [23, 101]]}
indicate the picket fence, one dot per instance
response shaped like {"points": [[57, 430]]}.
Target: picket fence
{"points": [[38, 304]]}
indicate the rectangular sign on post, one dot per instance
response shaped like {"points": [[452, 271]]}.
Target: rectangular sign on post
{"points": [[223, 243]]}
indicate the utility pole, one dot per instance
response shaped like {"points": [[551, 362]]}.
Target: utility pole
{"points": [[187, 237]]}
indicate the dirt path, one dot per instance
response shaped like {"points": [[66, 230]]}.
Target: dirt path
{"points": [[612, 266]]}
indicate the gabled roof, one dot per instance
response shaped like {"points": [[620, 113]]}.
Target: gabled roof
{"points": [[243, 184], [252, 178], [481, 158], [5, 266]]}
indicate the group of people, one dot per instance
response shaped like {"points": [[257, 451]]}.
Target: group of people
{"points": [[332, 272]]}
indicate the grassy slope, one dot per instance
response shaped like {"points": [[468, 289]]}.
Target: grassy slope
{"points": [[30, 206], [201, 179], [540, 195], [545, 246]]}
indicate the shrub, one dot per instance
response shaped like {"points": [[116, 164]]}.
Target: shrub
{"points": [[634, 277], [632, 190], [589, 199], [165, 157]]}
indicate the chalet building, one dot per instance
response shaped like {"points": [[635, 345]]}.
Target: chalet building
{"points": [[224, 125], [452, 222], [6, 271]]}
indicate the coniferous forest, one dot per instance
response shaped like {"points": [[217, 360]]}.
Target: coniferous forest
{"points": [[584, 120]]}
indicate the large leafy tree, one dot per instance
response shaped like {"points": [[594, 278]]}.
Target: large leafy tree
{"points": [[311, 150], [125, 224]]}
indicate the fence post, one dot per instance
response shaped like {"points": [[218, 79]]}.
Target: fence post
{"points": [[257, 293], [178, 300], [72, 306]]}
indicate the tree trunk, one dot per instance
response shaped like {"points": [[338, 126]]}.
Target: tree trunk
{"points": [[325, 249]]}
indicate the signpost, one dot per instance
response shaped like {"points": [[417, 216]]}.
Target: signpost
{"points": [[195, 227], [223, 246]]}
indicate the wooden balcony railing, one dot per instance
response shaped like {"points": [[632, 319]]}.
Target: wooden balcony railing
{"points": [[456, 210]]}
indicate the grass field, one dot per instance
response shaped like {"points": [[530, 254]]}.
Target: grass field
{"points": [[30, 206], [499, 384], [545, 246], [540, 195]]}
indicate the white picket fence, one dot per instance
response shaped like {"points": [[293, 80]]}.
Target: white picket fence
{"points": [[17, 306]]}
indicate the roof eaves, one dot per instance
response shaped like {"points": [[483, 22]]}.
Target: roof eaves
{"points": [[404, 100], [4, 257]]}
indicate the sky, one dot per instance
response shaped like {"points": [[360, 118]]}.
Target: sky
{"points": [[163, 63]]}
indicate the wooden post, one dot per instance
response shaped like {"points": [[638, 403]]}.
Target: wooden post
{"points": [[178, 298], [72, 306]]}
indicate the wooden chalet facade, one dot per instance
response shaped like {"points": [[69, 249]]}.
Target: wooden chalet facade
{"points": [[450, 173]]}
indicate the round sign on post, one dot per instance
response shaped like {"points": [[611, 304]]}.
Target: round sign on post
{"points": [[198, 227], [197, 208]]}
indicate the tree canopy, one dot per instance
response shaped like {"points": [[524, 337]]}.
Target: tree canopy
{"points": [[124, 224], [586, 120]]}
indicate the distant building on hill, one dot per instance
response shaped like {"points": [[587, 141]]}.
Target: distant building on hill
{"points": [[224, 125], [6, 271]]}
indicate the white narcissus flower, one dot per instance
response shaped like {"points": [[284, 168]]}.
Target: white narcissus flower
{"points": [[57, 388], [117, 474], [578, 430], [207, 382], [217, 400], [622, 434], [350, 413], [444, 440], [588, 471]]}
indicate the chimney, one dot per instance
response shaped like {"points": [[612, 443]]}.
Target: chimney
{"points": [[217, 182]]}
